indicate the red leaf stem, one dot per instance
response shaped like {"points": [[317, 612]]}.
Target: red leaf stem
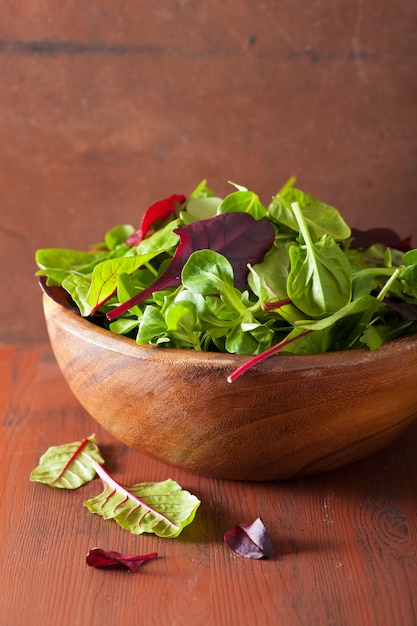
{"points": [[264, 355], [109, 481], [276, 304], [82, 445]]}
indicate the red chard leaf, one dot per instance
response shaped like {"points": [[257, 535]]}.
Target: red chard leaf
{"points": [[406, 309], [237, 236], [57, 293], [250, 540], [160, 210], [97, 557], [384, 236]]}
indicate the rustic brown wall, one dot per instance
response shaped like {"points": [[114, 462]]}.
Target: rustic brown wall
{"points": [[106, 106]]}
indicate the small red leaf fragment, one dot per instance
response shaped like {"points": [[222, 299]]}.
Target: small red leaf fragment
{"points": [[250, 540], [97, 557], [160, 210]]}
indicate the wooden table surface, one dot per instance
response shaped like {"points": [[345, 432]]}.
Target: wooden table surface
{"points": [[345, 543]]}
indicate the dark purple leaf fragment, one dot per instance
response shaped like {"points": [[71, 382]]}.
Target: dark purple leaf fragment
{"points": [[238, 236], [384, 236], [97, 557], [57, 293], [250, 540], [406, 309]]}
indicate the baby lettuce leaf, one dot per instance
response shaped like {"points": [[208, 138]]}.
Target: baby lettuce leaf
{"points": [[207, 273], [250, 540], [320, 217], [65, 259], [319, 281], [273, 271], [70, 465], [161, 508], [117, 236], [160, 210], [78, 285], [243, 201], [97, 557], [237, 236]]}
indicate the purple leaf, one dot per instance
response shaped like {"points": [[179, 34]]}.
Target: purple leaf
{"points": [[406, 309], [160, 210], [238, 236], [57, 293], [385, 236], [250, 540], [97, 557]]}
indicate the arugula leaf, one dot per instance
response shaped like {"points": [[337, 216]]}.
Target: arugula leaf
{"points": [[161, 508], [70, 465], [372, 338]]}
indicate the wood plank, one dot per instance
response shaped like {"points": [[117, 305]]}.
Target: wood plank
{"points": [[345, 543]]}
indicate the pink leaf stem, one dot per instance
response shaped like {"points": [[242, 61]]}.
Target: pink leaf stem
{"points": [[264, 355]]}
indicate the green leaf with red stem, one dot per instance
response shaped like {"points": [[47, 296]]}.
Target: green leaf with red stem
{"points": [[68, 466], [161, 508], [293, 336]]}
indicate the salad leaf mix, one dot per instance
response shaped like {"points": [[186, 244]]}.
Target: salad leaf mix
{"points": [[161, 508], [232, 275]]}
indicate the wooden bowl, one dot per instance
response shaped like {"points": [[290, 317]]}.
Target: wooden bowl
{"points": [[287, 417]]}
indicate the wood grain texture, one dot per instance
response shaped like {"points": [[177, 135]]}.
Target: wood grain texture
{"points": [[106, 107], [345, 542], [288, 416]]}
